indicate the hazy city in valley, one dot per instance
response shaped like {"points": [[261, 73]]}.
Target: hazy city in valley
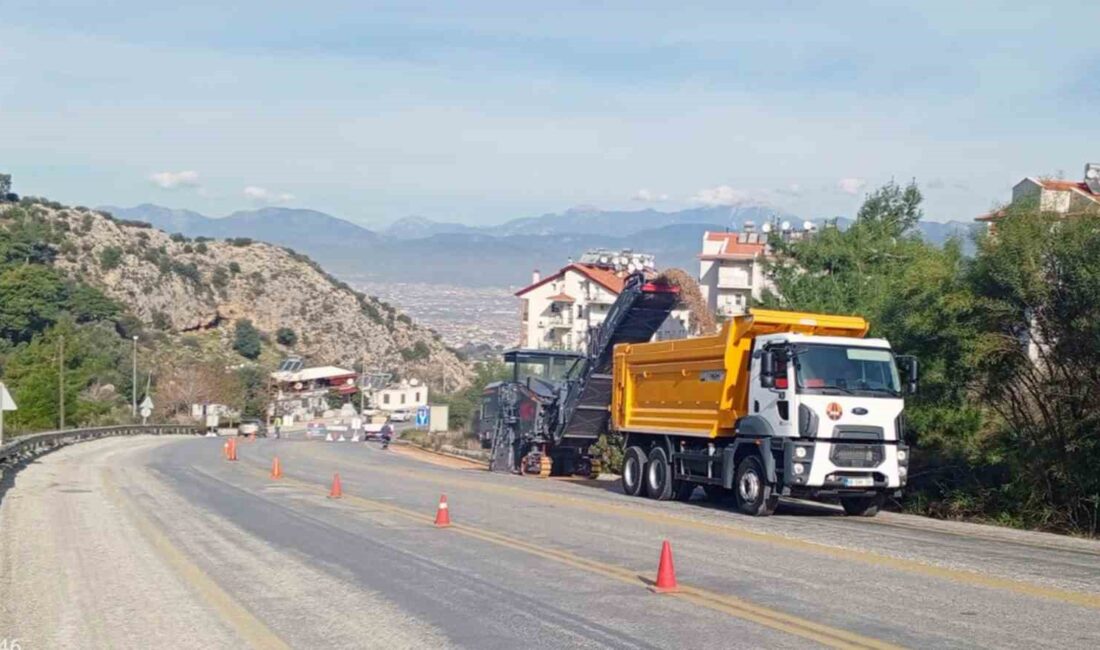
{"points": [[375, 325]]}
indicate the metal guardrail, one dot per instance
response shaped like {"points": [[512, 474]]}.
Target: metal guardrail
{"points": [[24, 448]]}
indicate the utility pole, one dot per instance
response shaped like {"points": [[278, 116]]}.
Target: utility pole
{"points": [[61, 381], [363, 386], [2, 389], [133, 384]]}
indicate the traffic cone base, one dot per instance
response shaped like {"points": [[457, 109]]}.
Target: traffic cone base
{"points": [[337, 490], [442, 513], [666, 573]]}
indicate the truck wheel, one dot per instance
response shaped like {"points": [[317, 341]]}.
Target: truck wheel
{"points": [[633, 471], [658, 476], [861, 506], [754, 496]]}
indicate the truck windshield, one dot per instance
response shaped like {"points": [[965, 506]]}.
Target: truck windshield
{"points": [[836, 369]]}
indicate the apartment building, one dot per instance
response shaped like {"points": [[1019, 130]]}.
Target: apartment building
{"points": [[733, 265], [558, 311]]}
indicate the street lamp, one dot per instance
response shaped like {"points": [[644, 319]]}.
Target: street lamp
{"points": [[133, 383]]}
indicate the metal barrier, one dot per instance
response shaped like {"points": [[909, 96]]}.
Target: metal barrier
{"points": [[24, 448]]}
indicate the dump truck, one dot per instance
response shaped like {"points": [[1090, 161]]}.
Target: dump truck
{"points": [[777, 403]]}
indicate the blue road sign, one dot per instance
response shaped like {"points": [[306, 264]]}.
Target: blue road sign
{"points": [[422, 414]]}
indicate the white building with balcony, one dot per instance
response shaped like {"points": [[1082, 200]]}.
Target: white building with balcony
{"points": [[558, 311], [731, 271]]}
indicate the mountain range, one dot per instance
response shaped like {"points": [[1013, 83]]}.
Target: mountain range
{"points": [[417, 249]]}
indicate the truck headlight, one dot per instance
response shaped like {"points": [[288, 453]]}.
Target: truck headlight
{"points": [[799, 452], [902, 471], [799, 469], [902, 455]]}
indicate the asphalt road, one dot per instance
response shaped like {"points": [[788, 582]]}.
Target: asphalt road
{"points": [[151, 542]]}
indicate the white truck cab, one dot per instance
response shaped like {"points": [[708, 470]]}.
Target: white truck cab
{"points": [[836, 404]]}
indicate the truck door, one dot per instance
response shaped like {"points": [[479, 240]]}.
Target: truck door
{"points": [[774, 403]]}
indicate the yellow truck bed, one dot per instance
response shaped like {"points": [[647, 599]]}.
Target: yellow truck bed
{"points": [[700, 386]]}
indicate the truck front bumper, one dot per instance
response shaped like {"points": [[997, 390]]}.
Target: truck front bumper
{"points": [[811, 467]]}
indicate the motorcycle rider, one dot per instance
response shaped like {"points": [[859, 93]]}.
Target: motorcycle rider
{"points": [[386, 435]]}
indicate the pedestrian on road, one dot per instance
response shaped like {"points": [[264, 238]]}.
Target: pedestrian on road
{"points": [[387, 435]]}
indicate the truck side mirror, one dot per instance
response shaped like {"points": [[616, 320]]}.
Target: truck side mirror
{"points": [[910, 366], [767, 369]]}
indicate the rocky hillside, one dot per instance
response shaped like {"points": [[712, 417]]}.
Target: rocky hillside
{"points": [[178, 285]]}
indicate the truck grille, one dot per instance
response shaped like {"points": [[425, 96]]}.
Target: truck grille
{"points": [[850, 454]]}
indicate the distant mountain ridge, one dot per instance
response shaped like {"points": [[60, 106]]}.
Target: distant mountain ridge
{"points": [[417, 249]]}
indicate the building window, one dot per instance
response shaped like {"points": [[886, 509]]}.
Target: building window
{"points": [[417, 396], [385, 398], [402, 398]]}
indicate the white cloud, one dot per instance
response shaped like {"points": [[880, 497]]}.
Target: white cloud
{"points": [[723, 195], [173, 180], [648, 196], [851, 185], [265, 196]]}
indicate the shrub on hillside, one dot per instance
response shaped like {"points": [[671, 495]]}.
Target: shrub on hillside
{"points": [[246, 339], [110, 257]]}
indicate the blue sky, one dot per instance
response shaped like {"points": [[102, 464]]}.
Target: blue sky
{"points": [[484, 111]]}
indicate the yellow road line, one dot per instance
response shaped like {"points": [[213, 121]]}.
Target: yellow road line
{"points": [[737, 607], [250, 628], [640, 512]]}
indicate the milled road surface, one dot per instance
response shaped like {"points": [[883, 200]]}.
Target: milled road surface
{"points": [[160, 542]]}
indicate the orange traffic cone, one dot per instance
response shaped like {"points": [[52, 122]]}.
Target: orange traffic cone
{"points": [[225, 449], [442, 514], [276, 468], [337, 490], [666, 573], [232, 449]]}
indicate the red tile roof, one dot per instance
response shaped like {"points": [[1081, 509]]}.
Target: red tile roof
{"points": [[1065, 186], [562, 297], [607, 279], [734, 248]]}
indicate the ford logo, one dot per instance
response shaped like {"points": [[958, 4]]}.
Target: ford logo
{"points": [[859, 410]]}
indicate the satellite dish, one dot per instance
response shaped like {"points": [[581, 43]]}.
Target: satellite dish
{"points": [[785, 226], [807, 225], [766, 227]]}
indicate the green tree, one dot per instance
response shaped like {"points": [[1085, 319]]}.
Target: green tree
{"points": [[463, 405], [286, 336], [32, 298], [254, 392], [246, 339], [110, 257], [94, 355], [220, 278], [1039, 280]]}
